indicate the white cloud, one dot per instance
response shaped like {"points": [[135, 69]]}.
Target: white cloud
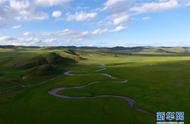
{"points": [[6, 13], [1, 19], [123, 10], [119, 11], [188, 4], [114, 14], [115, 19], [78, 34], [47, 3], [19, 5], [7, 40], [67, 34], [100, 31], [51, 40], [81, 16], [19, 10], [31, 41], [26, 10], [74, 35], [119, 29], [16, 26], [56, 14], [155, 6], [2, 1], [26, 33], [111, 3], [146, 18], [29, 15], [184, 2], [117, 6], [48, 38], [104, 31], [120, 19]]}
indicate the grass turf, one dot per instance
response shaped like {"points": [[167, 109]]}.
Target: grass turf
{"points": [[157, 83]]}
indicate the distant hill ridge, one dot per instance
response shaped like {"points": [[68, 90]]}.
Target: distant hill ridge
{"points": [[117, 49]]}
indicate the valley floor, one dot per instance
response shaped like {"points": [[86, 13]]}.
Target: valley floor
{"points": [[100, 89]]}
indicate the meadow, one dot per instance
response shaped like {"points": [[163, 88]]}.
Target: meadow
{"points": [[157, 82]]}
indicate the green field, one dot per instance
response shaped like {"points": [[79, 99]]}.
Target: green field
{"points": [[156, 82]]}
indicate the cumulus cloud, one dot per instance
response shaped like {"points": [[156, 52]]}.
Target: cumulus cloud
{"points": [[16, 26], [25, 10], [30, 41], [5, 39], [19, 5], [155, 6], [6, 13], [114, 14], [146, 18], [8, 40], [119, 29], [74, 35], [30, 15], [26, 33], [119, 11], [188, 4], [116, 20], [100, 31], [184, 2], [18, 10], [81, 16], [117, 6], [120, 19], [67, 34], [1, 18], [56, 14], [2, 1], [47, 3], [104, 31], [123, 10]]}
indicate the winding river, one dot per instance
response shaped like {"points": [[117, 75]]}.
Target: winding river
{"points": [[131, 101]]}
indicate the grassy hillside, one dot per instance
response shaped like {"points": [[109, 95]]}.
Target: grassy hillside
{"points": [[156, 82]]}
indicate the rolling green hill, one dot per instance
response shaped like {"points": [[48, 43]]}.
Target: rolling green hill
{"points": [[94, 90]]}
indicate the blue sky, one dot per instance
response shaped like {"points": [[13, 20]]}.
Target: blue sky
{"points": [[102, 23]]}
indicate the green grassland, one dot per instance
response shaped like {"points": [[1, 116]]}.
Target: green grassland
{"points": [[157, 82]]}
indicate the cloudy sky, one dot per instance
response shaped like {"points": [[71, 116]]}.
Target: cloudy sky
{"points": [[95, 22]]}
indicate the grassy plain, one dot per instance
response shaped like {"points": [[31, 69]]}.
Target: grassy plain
{"points": [[156, 82]]}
